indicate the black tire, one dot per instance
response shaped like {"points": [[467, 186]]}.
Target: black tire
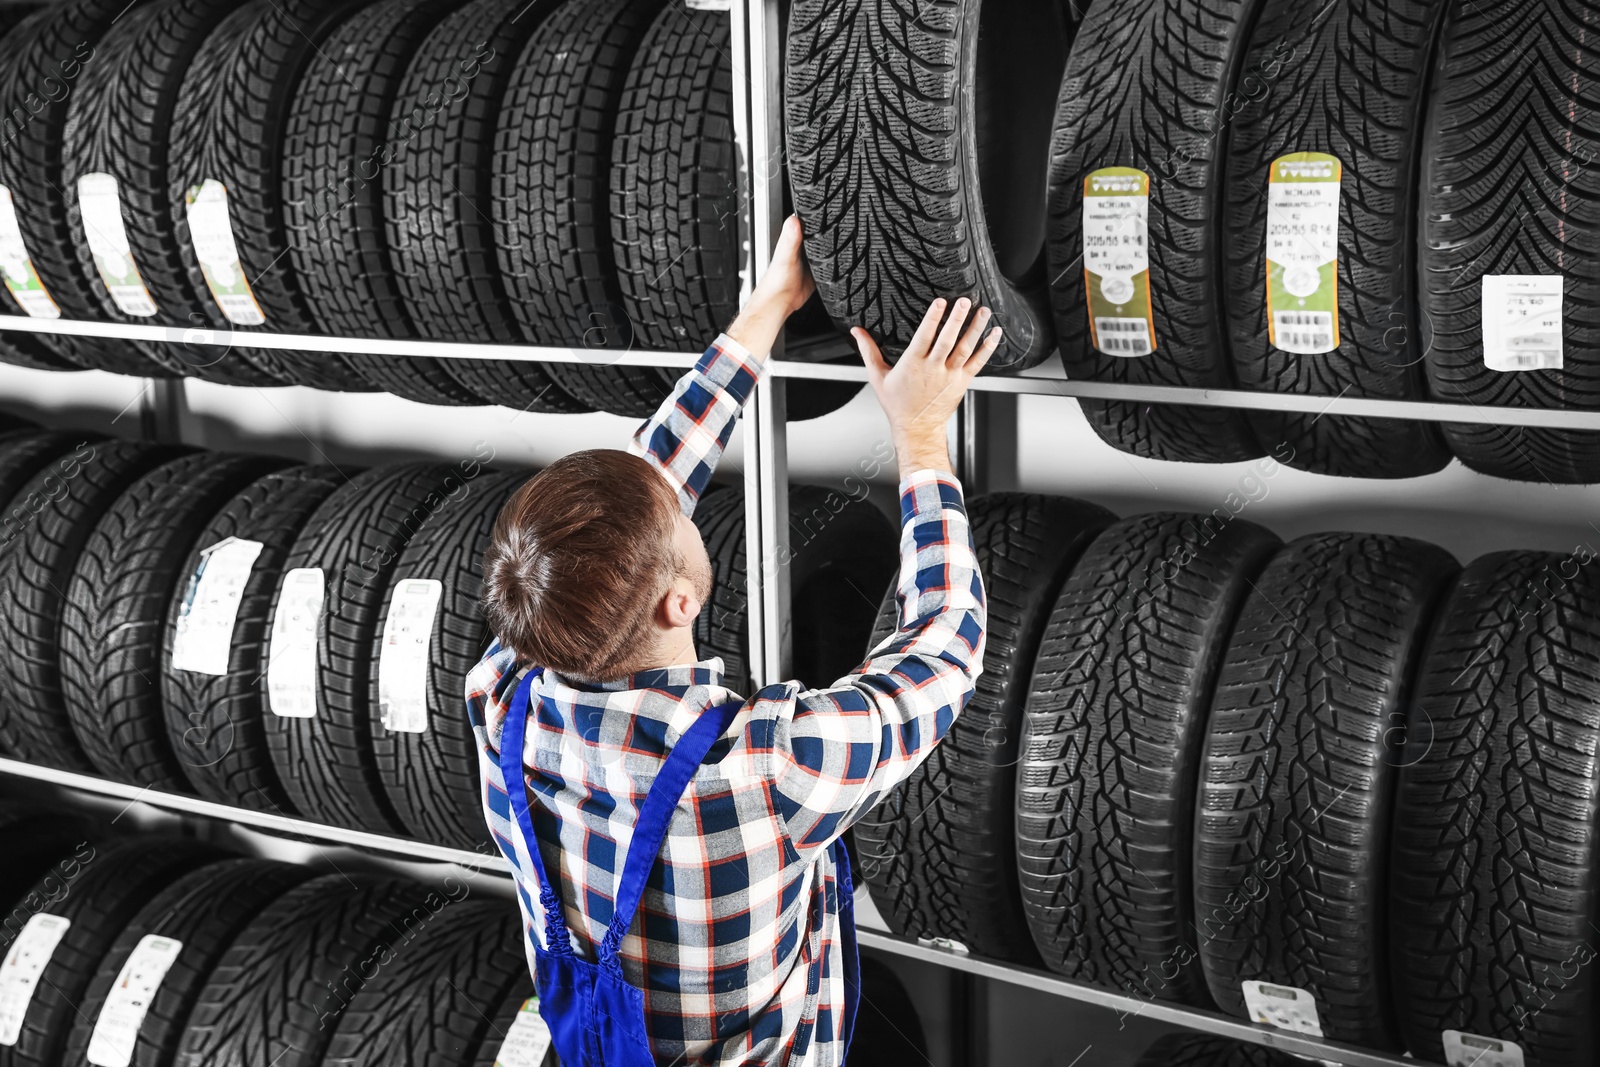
{"points": [[1292, 831], [505, 1016], [115, 615], [1493, 893], [916, 151], [23, 454], [1132, 64], [1198, 1050], [437, 194], [1310, 56], [326, 762], [843, 553], [939, 853], [204, 910], [888, 1028], [215, 723], [431, 777], [434, 1005], [98, 892], [277, 993], [57, 52], [35, 841], [338, 131], [1111, 740], [58, 509], [553, 149], [233, 108], [1509, 187]]}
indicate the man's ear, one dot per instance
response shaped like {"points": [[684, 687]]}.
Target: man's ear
{"points": [[679, 605]]}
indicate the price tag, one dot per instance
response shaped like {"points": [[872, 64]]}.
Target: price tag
{"points": [[1470, 1050], [1522, 321], [100, 203], [30, 954], [292, 670], [1116, 260], [116, 1030], [403, 657], [528, 1041], [204, 636], [17, 266], [206, 206], [1282, 1006], [1303, 253]]}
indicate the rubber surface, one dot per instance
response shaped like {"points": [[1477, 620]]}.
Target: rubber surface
{"points": [[23, 454], [435, 1004], [355, 536], [115, 615], [229, 126], [336, 148], [1350, 79], [1296, 786], [97, 890], [1494, 894], [1132, 63], [51, 522], [438, 194], [939, 853], [488, 1053], [1110, 754], [215, 723], [896, 117], [277, 994], [431, 777], [203, 911], [1509, 187], [551, 205]]}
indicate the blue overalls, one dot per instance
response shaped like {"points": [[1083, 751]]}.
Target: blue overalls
{"points": [[596, 1018]]}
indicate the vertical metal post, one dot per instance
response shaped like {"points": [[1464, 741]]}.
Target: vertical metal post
{"points": [[161, 406], [984, 443], [758, 133]]}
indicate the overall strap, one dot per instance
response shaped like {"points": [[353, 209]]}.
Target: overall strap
{"points": [[516, 782], [655, 816]]}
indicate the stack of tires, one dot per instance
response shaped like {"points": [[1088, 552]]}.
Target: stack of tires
{"points": [[1392, 199], [560, 174], [1208, 767], [293, 639]]}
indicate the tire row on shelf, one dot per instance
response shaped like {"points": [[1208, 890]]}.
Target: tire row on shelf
{"points": [[1341, 783], [1392, 199], [555, 173]]}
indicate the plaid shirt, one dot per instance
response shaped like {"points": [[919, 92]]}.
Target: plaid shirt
{"points": [[735, 946]]}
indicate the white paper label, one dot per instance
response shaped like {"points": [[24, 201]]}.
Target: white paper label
{"points": [[1282, 1006], [17, 266], [1470, 1050], [1302, 252], [527, 1042], [204, 636], [116, 1031], [292, 670], [1522, 321], [403, 658], [30, 954], [212, 236], [1116, 259], [100, 203]]}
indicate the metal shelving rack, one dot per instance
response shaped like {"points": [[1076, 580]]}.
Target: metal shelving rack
{"points": [[984, 440]]}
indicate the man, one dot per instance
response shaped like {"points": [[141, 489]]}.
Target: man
{"points": [[592, 585]]}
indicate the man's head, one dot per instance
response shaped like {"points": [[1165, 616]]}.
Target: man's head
{"points": [[594, 571]]}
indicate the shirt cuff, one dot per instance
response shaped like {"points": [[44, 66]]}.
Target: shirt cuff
{"points": [[729, 368], [928, 492]]}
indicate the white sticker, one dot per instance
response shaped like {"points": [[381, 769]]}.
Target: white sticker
{"points": [[116, 1031], [17, 266], [212, 236], [204, 635], [292, 670], [1471, 1050], [30, 954], [708, 5], [101, 206], [1303, 253], [1282, 1006], [1522, 321], [528, 1040], [403, 657], [1116, 260]]}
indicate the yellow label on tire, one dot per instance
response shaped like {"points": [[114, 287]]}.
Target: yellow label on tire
{"points": [[1116, 261], [212, 236], [1303, 253], [21, 279]]}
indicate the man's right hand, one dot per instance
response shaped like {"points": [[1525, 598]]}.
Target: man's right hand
{"points": [[921, 391]]}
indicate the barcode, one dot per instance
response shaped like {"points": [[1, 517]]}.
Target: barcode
{"points": [[1529, 360], [1123, 337], [1305, 318], [1303, 332]]}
